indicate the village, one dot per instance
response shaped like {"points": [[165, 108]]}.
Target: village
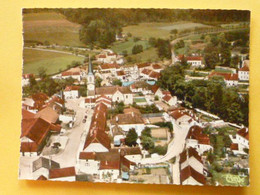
{"points": [[121, 126]]}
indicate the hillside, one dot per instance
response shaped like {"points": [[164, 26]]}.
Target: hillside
{"points": [[52, 27]]}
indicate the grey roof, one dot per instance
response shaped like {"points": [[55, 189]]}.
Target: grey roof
{"points": [[90, 68], [45, 163]]}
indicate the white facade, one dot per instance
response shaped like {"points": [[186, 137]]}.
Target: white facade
{"points": [[72, 94], [200, 148], [89, 166], [96, 147], [243, 75]]}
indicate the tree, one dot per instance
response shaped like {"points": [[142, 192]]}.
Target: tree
{"points": [[131, 137], [235, 61], [174, 31], [211, 56], [146, 132], [42, 72], [136, 39], [83, 91], [152, 41], [137, 49], [117, 82], [124, 53], [98, 81], [129, 34], [147, 143], [164, 48]]}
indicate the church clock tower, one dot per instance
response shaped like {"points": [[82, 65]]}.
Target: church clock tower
{"points": [[90, 80]]}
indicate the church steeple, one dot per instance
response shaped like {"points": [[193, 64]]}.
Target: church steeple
{"points": [[90, 80], [90, 70]]}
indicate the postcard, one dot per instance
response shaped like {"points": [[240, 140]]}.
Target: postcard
{"points": [[149, 96]]}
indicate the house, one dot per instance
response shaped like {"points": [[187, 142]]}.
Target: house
{"points": [[48, 114], [41, 167], [108, 56], [97, 139], [157, 67], [120, 75], [63, 174], [130, 153], [128, 121], [170, 100], [56, 103], [196, 139], [90, 102], [26, 79], [194, 61], [35, 133], [191, 168], [109, 68], [36, 102], [141, 87], [154, 76], [240, 141], [71, 74], [181, 117], [116, 93], [131, 71], [157, 91], [230, 79], [243, 73], [71, 92]]}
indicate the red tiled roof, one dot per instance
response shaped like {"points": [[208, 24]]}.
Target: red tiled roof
{"points": [[195, 132], [190, 172], [226, 76], [29, 147], [63, 172], [48, 114], [39, 100], [87, 155], [41, 178], [27, 76], [194, 58], [109, 66], [244, 68], [244, 133], [112, 89], [177, 114], [109, 165], [155, 88], [72, 88], [27, 115], [68, 73], [124, 119], [90, 100], [143, 65], [167, 98], [190, 152], [155, 75], [156, 66], [120, 73], [101, 56], [146, 71], [234, 146]]}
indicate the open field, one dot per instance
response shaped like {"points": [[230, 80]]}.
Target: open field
{"points": [[53, 62], [159, 30], [119, 47], [149, 55], [52, 27]]}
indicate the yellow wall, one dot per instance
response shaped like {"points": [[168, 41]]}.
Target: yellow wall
{"points": [[10, 100]]}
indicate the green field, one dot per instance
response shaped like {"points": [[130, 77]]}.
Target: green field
{"points": [[53, 62], [159, 30], [118, 47], [149, 55], [52, 27]]}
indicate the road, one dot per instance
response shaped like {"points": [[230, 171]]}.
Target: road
{"points": [[69, 156]]}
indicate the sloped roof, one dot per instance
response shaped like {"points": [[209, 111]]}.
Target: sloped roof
{"points": [[27, 115], [62, 172], [143, 65], [68, 73], [131, 110], [190, 172], [72, 88], [109, 66], [196, 132], [120, 73], [244, 68], [226, 76], [146, 71], [48, 114], [155, 88], [45, 163], [188, 153], [124, 119], [244, 133], [128, 150], [167, 98], [112, 89], [157, 66], [154, 74]]}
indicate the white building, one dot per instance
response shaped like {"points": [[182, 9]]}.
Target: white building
{"points": [[243, 73], [240, 141], [170, 100], [71, 92]]}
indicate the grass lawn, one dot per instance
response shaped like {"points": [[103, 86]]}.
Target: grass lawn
{"points": [[149, 55], [139, 100], [53, 62], [118, 47], [222, 70], [52, 27], [158, 30]]}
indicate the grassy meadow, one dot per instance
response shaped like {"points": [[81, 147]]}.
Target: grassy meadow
{"points": [[53, 62], [52, 27]]}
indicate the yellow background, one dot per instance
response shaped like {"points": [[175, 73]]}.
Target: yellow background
{"points": [[10, 99]]}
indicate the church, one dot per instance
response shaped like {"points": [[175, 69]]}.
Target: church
{"points": [[115, 93]]}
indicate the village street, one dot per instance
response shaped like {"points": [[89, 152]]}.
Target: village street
{"points": [[68, 156]]}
